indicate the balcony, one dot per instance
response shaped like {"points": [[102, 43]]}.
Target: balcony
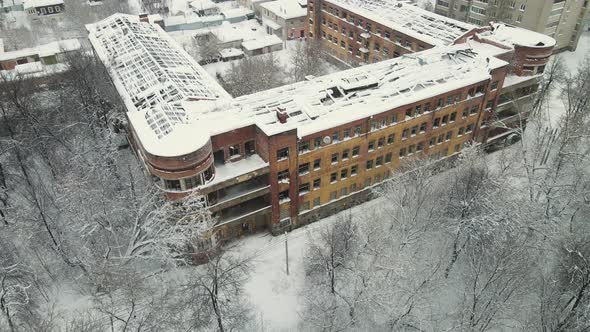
{"points": [[236, 194], [243, 211]]}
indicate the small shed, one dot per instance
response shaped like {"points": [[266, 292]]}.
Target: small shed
{"points": [[42, 8]]}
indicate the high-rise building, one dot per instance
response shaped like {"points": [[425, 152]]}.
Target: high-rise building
{"points": [[562, 20], [285, 157]]}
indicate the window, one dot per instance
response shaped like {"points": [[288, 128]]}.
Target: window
{"points": [[343, 191], [390, 139], [317, 142], [420, 147], [346, 133], [316, 164], [283, 175], [469, 128], [234, 151], [418, 110], [465, 113], [474, 110], [305, 206], [371, 145], [423, 127], [283, 195], [316, 201], [374, 125], [303, 146], [50, 10], [333, 195], [345, 154], [449, 136], [394, 118], [335, 136], [426, 107], [304, 169], [355, 151], [402, 152], [453, 117], [317, 183], [303, 188], [193, 182], [369, 164], [436, 123], [283, 154], [460, 132], [388, 158], [440, 139], [432, 141], [384, 122], [411, 149], [334, 158], [357, 130], [354, 170], [414, 130], [57, 9], [333, 177], [344, 174], [379, 161], [409, 113], [405, 133], [172, 184], [449, 100], [445, 119], [439, 103], [381, 142]]}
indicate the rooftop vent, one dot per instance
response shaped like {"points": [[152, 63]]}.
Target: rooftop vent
{"points": [[282, 115]]}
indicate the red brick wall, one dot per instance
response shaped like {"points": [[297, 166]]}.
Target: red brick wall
{"points": [[235, 137]]}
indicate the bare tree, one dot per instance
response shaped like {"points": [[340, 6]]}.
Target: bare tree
{"points": [[216, 293], [252, 74], [307, 59]]}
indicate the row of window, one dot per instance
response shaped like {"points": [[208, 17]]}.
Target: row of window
{"points": [[345, 190], [189, 183]]}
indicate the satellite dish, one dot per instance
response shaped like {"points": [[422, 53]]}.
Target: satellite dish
{"points": [[327, 140]]}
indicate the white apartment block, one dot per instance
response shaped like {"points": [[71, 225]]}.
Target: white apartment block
{"points": [[561, 19]]}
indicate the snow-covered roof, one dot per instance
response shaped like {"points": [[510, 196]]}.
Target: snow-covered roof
{"points": [[230, 52], [409, 19], [236, 12], [49, 49], [1, 46], [258, 43], [153, 75], [286, 9], [41, 3], [203, 4], [174, 106], [510, 35]]}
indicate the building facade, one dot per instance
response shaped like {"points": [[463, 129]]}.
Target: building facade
{"points": [[43, 8], [562, 20], [285, 157], [284, 18]]}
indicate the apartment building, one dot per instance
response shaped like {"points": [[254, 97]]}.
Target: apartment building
{"points": [[282, 158], [562, 20]]}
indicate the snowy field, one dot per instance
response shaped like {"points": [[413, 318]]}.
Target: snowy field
{"points": [[276, 295]]}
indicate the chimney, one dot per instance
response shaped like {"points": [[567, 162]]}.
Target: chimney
{"points": [[282, 115]]}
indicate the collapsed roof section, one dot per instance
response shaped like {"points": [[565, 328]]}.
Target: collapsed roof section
{"points": [[174, 106], [409, 19], [151, 72]]}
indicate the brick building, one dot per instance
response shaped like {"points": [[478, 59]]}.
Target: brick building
{"points": [[285, 157]]}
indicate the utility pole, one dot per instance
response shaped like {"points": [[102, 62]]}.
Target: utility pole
{"points": [[286, 253]]}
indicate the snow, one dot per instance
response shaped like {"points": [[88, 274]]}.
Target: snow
{"points": [[230, 52], [409, 19], [41, 3], [234, 169], [285, 9], [203, 4], [511, 35], [258, 43], [511, 80], [52, 48], [1, 46]]}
